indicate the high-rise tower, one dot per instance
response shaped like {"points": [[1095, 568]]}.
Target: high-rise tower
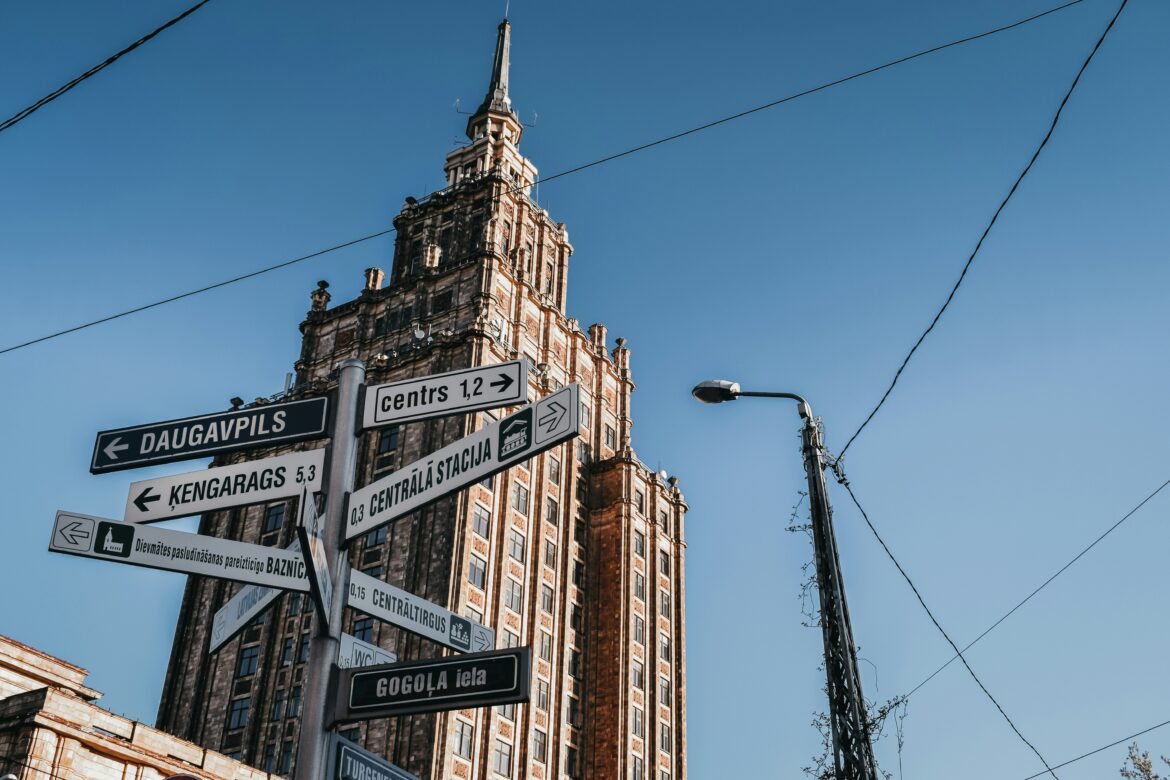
{"points": [[577, 553]]}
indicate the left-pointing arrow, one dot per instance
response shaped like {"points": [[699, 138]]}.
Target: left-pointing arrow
{"points": [[114, 447], [74, 533], [145, 498]]}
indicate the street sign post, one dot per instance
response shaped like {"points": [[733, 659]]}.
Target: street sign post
{"points": [[433, 685], [251, 482], [468, 390], [384, 601], [249, 602], [531, 430], [311, 532], [356, 653], [159, 548], [349, 761], [197, 437]]}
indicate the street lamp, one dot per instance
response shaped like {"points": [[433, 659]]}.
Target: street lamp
{"points": [[852, 750]]}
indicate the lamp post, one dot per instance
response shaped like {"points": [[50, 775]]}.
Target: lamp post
{"points": [[852, 750]]}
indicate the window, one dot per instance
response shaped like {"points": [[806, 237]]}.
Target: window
{"points": [[578, 573], [363, 629], [639, 726], [550, 553], [373, 571], [508, 711], [551, 510], [610, 437], [481, 520], [273, 518], [303, 652], [513, 595], [463, 738], [294, 604], [664, 774], [664, 647], [294, 703], [238, 713], [376, 537], [516, 545], [583, 451], [664, 737], [546, 598], [388, 439], [502, 760], [520, 498], [554, 471], [510, 639], [571, 762], [639, 585], [545, 646], [639, 630], [475, 571], [540, 746], [664, 603], [579, 532], [663, 518], [664, 691], [585, 414], [664, 562], [474, 614], [575, 616], [270, 757], [486, 483], [574, 712], [286, 751], [278, 705], [636, 772], [574, 663], [640, 543], [640, 500], [249, 656], [542, 694], [639, 675], [286, 653]]}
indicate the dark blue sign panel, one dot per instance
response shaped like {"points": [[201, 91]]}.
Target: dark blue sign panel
{"points": [[197, 437], [435, 685], [350, 762]]}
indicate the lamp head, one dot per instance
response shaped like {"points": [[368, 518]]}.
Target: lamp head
{"points": [[716, 391]]}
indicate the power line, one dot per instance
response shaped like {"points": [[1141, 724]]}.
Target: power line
{"points": [[845, 482], [61, 90], [1043, 585], [576, 169], [1104, 747], [986, 230], [188, 294]]}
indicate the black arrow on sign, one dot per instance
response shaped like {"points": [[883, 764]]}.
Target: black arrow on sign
{"points": [[553, 416], [73, 533], [503, 383], [145, 498]]}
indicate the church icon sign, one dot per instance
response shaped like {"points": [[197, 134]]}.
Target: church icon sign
{"points": [[115, 539]]}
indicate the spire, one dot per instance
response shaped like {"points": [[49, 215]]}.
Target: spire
{"points": [[497, 93]]}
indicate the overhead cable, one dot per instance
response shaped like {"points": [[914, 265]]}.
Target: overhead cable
{"points": [[61, 90], [576, 169]]}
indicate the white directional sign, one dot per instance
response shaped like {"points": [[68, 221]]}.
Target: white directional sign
{"points": [[159, 548], [405, 610], [242, 607], [349, 761], [195, 492], [469, 390], [356, 653], [517, 437], [311, 532]]}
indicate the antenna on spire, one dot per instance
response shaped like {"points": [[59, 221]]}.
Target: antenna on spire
{"points": [[506, 4], [459, 110]]}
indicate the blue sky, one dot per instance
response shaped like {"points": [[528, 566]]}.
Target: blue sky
{"points": [[801, 249]]}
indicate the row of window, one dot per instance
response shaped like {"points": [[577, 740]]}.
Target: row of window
{"points": [[664, 740], [638, 772], [284, 704], [638, 677]]}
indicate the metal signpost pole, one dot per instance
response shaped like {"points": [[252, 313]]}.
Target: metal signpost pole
{"points": [[313, 747]]}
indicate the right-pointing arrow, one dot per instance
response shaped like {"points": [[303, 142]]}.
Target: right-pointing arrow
{"points": [[553, 417], [503, 383], [113, 448]]}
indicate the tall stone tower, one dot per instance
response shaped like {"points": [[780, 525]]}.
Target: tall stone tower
{"points": [[577, 553]]}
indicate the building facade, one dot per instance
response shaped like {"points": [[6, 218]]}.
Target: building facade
{"points": [[50, 729], [578, 553]]}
